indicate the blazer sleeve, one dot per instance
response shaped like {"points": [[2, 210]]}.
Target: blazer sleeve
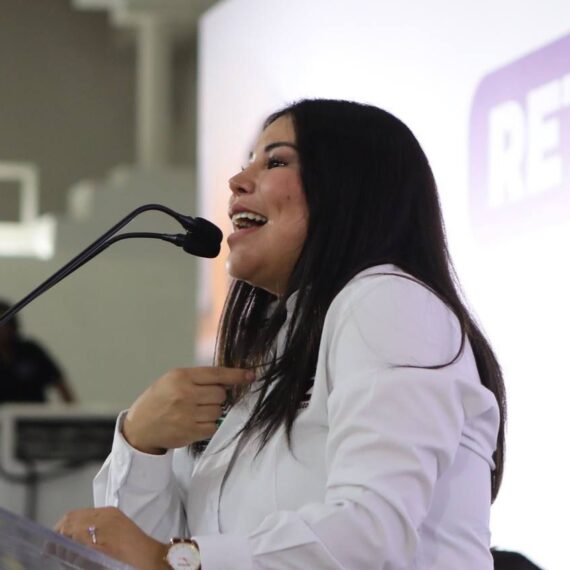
{"points": [[394, 428]]}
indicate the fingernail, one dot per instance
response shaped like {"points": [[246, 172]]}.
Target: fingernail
{"points": [[250, 375]]}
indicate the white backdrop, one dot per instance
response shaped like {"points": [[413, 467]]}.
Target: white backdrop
{"points": [[486, 89]]}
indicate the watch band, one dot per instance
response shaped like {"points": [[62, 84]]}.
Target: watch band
{"points": [[178, 540]]}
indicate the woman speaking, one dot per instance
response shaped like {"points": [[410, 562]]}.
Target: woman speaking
{"points": [[355, 414]]}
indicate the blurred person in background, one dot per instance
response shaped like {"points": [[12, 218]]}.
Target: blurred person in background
{"points": [[27, 371]]}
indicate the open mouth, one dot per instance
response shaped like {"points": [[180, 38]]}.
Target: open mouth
{"points": [[246, 220]]}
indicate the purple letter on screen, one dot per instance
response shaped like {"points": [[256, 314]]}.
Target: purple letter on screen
{"points": [[519, 147]]}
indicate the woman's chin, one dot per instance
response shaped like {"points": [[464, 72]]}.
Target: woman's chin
{"points": [[238, 268]]}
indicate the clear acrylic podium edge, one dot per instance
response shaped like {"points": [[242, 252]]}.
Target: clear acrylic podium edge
{"points": [[26, 545]]}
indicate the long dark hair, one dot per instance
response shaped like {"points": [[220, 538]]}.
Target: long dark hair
{"points": [[372, 200]]}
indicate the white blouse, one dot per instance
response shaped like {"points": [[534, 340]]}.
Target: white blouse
{"points": [[390, 466]]}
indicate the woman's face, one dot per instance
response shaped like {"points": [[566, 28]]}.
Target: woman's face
{"points": [[268, 210]]}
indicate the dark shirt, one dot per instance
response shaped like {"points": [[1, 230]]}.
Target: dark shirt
{"points": [[26, 377]]}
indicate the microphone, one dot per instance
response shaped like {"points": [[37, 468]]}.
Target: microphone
{"points": [[202, 239]]}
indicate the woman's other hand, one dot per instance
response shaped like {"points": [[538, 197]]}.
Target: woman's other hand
{"points": [[110, 531], [180, 408]]}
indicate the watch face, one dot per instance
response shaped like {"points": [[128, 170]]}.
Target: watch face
{"points": [[183, 556]]}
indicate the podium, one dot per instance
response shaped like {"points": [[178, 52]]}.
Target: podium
{"points": [[26, 545]]}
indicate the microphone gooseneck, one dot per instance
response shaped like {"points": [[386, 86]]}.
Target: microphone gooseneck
{"points": [[202, 239]]}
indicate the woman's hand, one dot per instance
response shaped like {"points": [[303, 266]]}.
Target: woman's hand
{"points": [[180, 408], [110, 531]]}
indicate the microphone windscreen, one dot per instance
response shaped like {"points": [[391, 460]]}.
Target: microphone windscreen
{"points": [[204, 229], [201, 245]]}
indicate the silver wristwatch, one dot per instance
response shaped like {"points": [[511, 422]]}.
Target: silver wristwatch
{"points": [[183, 554]]}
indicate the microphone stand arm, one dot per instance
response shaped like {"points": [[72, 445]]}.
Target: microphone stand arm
{"points": [[99, 245]]}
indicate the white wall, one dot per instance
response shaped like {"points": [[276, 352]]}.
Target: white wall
{"points": [[125, 318], [67, 106], [424, 61]]}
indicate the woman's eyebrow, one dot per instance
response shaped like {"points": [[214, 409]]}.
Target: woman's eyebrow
{"points": [[273, 145]]}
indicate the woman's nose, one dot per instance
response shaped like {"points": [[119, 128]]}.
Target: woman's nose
{"points": [[241, 183]]}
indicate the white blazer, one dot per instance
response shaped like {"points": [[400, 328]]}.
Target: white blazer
{"points": [[390, 467]]}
